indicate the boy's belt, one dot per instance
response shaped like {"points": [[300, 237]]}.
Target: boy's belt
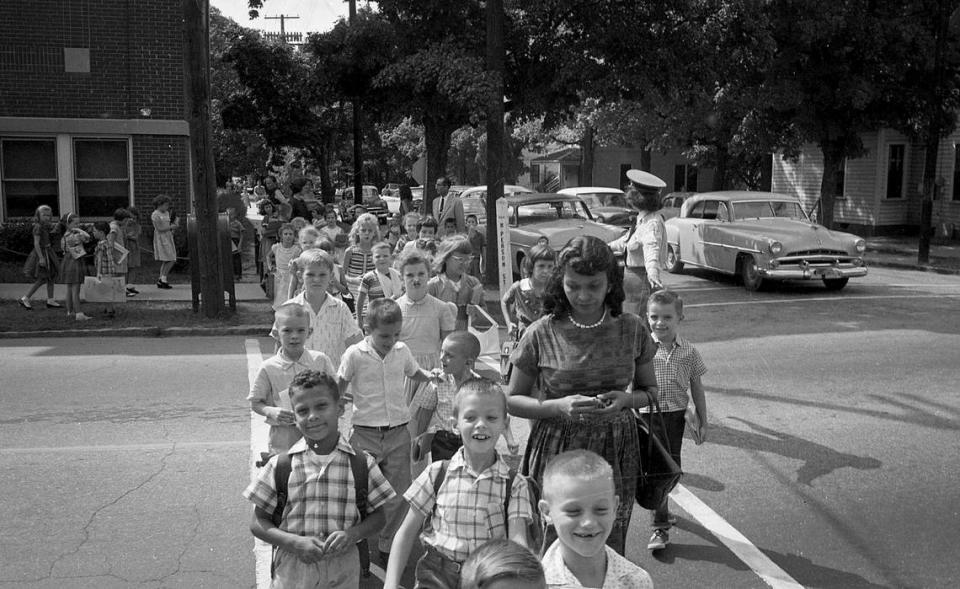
{"points": [[381, 428]]}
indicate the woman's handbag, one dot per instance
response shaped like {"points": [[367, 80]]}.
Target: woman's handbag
{"points": [[659, 472]]}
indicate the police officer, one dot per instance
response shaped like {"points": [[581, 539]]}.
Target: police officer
{"points": [[645, 244]]}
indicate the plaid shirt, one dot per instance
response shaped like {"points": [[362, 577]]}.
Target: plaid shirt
{"points": [[469, 507], [438, 397], [675, 366], [104, 259], [321, 496]]}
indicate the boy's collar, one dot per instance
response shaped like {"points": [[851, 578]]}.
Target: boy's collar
{"points": [[676, 340], [287, 361], [499, 468], [301, 445]]}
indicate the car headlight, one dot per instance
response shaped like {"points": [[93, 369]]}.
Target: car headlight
{"points": [[861, 246], [776, 247]]}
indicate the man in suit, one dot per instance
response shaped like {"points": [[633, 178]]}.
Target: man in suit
{"points": [[448, 206]]}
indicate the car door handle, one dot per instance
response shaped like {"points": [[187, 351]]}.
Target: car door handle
{"points": [[696, 225]]}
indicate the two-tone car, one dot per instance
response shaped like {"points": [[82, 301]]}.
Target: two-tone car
{"points": [[608, 205], [557, 218], [760, 237]]}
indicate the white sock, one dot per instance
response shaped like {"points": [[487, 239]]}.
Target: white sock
{"points": [[163, 278]]}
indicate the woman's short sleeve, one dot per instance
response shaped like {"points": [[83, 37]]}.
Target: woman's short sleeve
{"points": [[644, 345], [526, 356]]}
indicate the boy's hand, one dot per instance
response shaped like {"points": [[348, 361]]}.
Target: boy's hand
{"points": [[338, 541], [308, 549], [421, 446], [281, 416]]}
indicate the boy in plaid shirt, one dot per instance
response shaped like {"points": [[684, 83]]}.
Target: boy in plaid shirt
{"points": [[678, 366], [468, 508], [316, 541]]}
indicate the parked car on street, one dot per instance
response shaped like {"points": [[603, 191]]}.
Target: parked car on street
{"points": [[370, 203], [608, 205], [475, 197], [556, 217], [670, 204], [760, 237]]}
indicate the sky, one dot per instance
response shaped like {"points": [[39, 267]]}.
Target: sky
{"points": [[315, 15]]}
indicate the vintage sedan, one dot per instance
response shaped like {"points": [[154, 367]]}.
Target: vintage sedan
{"points": [[608, 205], [760, 236], [558, 218]]}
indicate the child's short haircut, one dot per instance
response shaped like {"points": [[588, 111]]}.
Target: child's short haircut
{"points": [[309, 379], [501, 559], [414, 257], [315, 256], [415, 217], [287, 226], [538, 253], [580, 464], [325, 245], [383, 311], [427, 222], [381, 245], [291, 310], [472, 216], [307, 230], [466, 342], [482, 387], [101, 226], [666, 297]]}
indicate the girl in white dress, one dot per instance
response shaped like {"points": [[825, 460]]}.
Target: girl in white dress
{"points": [[280, 256]]}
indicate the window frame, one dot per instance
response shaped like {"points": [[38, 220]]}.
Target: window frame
{"points": [[75, 181], [903, 170], [4, 208]]}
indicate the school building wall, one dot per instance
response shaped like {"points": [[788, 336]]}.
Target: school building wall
{"points": [[111, 69]]}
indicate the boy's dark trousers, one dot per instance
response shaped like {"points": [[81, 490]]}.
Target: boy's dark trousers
{"points": [[436, 571], [444, 445], [675, 424]]}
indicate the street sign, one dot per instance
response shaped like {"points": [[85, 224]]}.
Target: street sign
{"points": [[503, 247]]}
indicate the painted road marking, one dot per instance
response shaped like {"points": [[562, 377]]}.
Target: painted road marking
{"points": [[259, 438], [736, 542], [709, 519]]}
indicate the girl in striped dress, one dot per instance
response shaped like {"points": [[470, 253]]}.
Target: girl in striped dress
{"points": [[358, 258]]}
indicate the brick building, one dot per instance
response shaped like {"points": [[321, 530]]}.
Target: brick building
{"points": [[92, 108]]}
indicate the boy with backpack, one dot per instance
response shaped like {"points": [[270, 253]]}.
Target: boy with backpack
{"points": [[317, 500], [467, 500]]}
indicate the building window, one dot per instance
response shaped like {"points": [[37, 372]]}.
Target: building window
{"points": [[29, 174], [895, 170], [684, 178], [534, 175], [624, 181], [956, 172], [102, 176]]}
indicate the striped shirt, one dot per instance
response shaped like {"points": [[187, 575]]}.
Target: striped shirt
{"points": [[377, 286], [469, 506], [675, 366], [321, 494]]}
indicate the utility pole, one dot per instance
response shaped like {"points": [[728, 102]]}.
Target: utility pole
{"points": [[196, 57], [357, 131], [934, 133], [495, 66], [282, 18]]}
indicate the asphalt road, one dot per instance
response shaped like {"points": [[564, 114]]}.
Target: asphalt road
{"points": [[830, 462]]}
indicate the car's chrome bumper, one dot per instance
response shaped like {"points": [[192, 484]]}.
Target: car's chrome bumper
{"points": [[813, 272]]}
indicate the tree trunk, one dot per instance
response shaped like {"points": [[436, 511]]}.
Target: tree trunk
{"points": [[832, 160], [197, 89], [437, 139], [586, 157], [646, 160], [720, 170], [323, 159]]}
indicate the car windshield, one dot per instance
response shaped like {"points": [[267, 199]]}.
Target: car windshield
{"points": [[551, 211], [766, 209], [604, 199]]}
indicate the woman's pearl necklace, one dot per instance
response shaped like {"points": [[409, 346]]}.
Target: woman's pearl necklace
{"points": [[592, 325]]}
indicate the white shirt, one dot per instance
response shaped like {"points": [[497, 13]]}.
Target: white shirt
{"points": [[376, 384]]}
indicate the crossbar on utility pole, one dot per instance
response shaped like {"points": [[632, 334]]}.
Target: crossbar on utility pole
{"points": [[283, 18]]}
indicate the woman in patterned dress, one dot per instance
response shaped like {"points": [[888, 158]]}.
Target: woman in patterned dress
{"points": [[585, 353]]}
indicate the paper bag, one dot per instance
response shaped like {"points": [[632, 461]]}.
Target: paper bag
{"points": [[110, 289]]}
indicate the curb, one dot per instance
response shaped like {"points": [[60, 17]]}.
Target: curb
{"points": [[258, 330], [915, 267]]}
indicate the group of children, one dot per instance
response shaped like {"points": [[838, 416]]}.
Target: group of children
{"points": [[405, 364], [116, 252]]}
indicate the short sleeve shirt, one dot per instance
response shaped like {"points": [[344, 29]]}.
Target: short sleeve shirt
{"points": [[469, 506], [675, 366], [321, 494], [332, 326], [621, 573], [423, 321], [376, 383], [572, 360], [528, 304]]}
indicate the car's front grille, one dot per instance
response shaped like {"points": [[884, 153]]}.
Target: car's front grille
{"points": [[820, 252]]}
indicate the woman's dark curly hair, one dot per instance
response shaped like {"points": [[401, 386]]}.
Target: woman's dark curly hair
{"points": [[588, 255]]}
